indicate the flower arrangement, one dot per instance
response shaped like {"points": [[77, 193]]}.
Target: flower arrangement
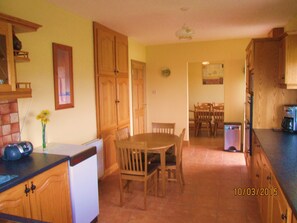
{"points": [[43, 116]]}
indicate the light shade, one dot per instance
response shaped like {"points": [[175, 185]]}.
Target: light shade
{"points": [[184, 33]]}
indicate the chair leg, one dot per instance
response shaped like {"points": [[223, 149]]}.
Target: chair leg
{"points": [[121, 192], [156, 184], [182, 173], [145, 191]]}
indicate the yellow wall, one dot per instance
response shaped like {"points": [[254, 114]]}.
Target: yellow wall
{"points": [[198, 92], [168, 96], [292, 24], [74, 125]]}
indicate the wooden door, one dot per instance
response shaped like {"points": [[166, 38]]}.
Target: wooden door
{"points": [[104, 50], [15, 202], [50, 201], [138, 97], [122, 101], [107, 103], [121, 54]]}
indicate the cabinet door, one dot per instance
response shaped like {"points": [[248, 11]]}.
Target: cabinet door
{"points": [[104, 45], [266, 189], [123, 101], [280, 207], [291, 57], [109, 151], [121, 54], [7, 68], [15, 202], [282, 61], [50, 201], [107, 103]]}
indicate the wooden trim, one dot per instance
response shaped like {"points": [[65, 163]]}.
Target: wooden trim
{"points": [[19, 25]]}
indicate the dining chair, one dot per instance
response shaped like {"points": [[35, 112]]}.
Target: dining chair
{"points": [[203, 118], [174, 163], [159, 127], [218, 118], [122, 133], [133, 166]]}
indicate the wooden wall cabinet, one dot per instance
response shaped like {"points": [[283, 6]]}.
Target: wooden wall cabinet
{"points": [[287, 61], [112, 88], [49, 201], [9, 87]]}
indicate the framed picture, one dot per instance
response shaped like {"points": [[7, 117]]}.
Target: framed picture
{"points": [[213, 73], [63, 76]]}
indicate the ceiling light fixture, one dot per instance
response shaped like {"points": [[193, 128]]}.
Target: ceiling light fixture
{"points": [[185, 32]]}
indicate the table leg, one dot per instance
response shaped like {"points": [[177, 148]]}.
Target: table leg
{"points": [[163, 172]]}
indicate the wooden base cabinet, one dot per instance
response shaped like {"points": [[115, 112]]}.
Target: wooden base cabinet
{"points": [[45, 197]]}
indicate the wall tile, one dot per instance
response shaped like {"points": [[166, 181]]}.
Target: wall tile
{"points": [[9, 123], [5, 119], [14, 117]]}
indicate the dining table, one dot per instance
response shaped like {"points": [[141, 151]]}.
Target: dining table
{"points": [[158, 143]]}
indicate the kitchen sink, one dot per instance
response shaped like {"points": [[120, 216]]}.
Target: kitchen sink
{"points": [[6, 177]]}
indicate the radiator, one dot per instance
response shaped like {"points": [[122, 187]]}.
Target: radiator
{"points": [[98, 143]]}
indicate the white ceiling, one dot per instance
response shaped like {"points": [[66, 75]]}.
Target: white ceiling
{"points": [[156, 21]]}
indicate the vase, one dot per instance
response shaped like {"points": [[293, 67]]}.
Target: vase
{"points": [[43, 137]]}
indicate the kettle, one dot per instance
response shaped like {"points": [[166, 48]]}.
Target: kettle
{"points": [[15, 151]]}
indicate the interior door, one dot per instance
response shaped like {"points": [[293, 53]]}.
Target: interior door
{"points": [[138, 97]]}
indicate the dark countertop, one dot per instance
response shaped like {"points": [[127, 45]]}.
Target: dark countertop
{"points": [[281, 151], [28, 167]]}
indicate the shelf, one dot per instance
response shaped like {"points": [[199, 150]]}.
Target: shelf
{"points": [[19, 25], [21, 56], [23, 90]]}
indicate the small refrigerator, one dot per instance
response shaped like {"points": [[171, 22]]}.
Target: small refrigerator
{"points": [[232, 136]]}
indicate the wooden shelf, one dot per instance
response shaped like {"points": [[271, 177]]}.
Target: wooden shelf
{"points": [[19, 25], [21, 56], [23, 90]]}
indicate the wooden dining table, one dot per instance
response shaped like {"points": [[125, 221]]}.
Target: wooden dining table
{"points": [[157, 143]]}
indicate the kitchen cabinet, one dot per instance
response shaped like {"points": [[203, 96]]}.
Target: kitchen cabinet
{"points": [[9, 87], [287, 61], [281, 212], [294, 220], [262, 78], [112, 88], [273, 205], [45, 197]]}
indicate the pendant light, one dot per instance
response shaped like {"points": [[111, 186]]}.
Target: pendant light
{"points": [[185, 32]]}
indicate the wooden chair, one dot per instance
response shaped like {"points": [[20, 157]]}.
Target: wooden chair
{"points": [[203, 118], [168, 128], [133, 166], [218, 118], [174, 163], [123, 133]]}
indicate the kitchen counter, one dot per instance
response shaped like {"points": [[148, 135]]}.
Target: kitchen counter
{"points": [[281, 151], [28, 167]]}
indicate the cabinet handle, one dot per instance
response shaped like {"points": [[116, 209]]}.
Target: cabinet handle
{"points": [[284, 216], [268, 177], [33, 187], [27, 190], [117, 101], [257, 175]]}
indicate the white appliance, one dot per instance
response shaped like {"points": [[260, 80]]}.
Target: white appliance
{"points": [[83, 179]]}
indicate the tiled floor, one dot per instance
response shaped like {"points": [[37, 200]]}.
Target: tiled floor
{"points": [[211, 176]]}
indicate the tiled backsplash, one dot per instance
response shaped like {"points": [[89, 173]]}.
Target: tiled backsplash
{"points": [[9, 122]]}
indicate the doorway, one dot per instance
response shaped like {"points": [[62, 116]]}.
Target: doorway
{"points": [[201, 91], [138, 96]]}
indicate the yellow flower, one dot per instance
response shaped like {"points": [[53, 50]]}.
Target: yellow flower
{"points": [[43, 116]]}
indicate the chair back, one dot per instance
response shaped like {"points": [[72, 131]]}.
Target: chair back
{"points": [[132, 157], [218, 114], [168, 128], [123, 133], [202, 113], [180, 147]]}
